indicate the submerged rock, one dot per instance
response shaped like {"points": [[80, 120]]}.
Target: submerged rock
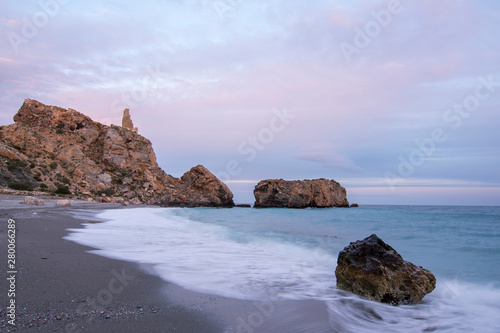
{"points": [[373, 269], [320, 193]]}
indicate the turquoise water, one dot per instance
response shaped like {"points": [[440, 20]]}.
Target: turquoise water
{"points": [[276, 254], [453, 242]]}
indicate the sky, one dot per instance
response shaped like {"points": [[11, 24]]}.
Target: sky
{"points": [[396, 100]]}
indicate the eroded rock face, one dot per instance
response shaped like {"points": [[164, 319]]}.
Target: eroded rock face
{"points": [[127, 121], [373, 269], [199, 187], [321, 193], [62, 147]]}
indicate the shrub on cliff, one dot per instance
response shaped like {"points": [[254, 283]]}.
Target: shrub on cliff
{"points": [[61, 189], [20, 186], [108, 192]]}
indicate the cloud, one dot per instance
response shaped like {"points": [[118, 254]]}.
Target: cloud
{"points": [[328, 160], [465, 196], [416, 182], [220, 79]]}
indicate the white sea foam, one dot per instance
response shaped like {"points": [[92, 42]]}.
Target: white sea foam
{"points": [[208, 258], [453, 307], [219, 260]]}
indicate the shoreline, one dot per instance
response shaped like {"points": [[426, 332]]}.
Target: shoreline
{"points": [[61, 287], [59, 282]]}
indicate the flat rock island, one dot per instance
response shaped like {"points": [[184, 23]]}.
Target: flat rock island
{"points": [[317, 193]]}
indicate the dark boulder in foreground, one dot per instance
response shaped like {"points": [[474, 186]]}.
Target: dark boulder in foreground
{"points": [[373, 269], [320, 193], [354, 205]]}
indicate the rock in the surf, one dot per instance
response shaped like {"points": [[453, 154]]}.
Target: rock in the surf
{"points": [[373, 269]]}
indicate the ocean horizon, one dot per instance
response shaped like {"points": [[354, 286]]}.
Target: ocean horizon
{"points": [[276, 255]]}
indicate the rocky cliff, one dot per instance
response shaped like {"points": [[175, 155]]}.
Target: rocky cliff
{"points": [[321, 193], [61, 150]]}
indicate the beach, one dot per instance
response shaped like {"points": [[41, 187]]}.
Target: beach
{"points": [[98, 267], [62, 288], [272, 270]]}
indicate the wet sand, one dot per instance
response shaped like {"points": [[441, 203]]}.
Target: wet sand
{"points": [[61, 287]]}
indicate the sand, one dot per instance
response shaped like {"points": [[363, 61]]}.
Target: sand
{"points": [[61, 287]]}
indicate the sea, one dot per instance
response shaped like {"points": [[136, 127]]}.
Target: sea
{"points": [[282, 255]]}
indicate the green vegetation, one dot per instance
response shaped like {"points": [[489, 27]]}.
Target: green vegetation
{"points": [[61, 189], [53, 165], [38, 177], [125, 172], [21, 186], [108, 192], [43, 186], [118, 180], [11, 167], [63, 179], [14, 165]]}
